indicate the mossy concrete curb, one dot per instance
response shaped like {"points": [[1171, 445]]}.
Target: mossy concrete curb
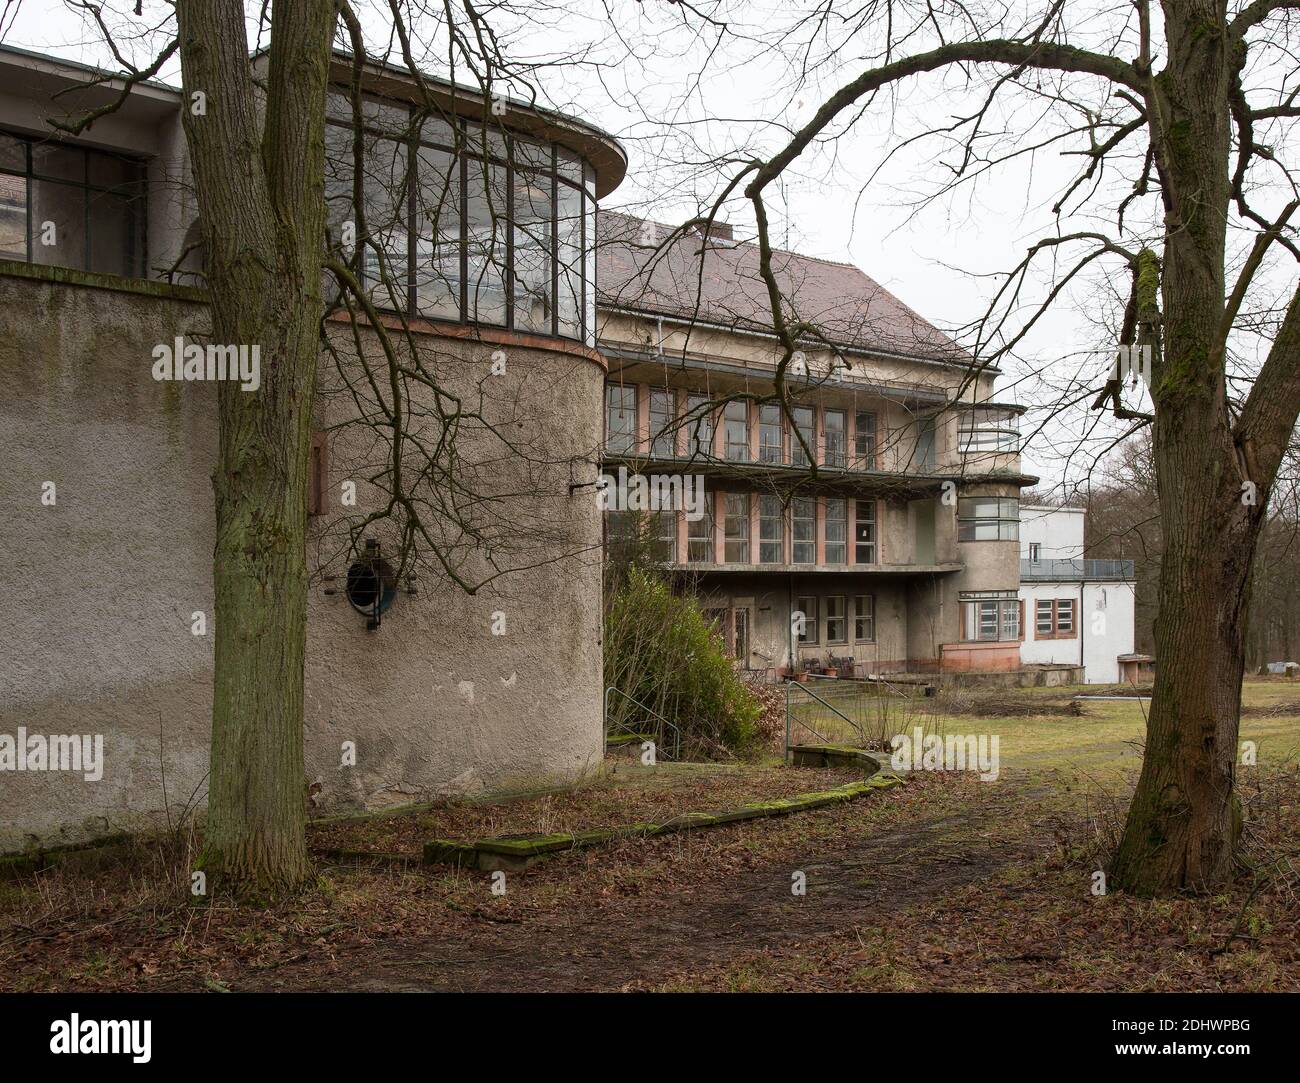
{"points": [[833, 756], [514, 852]]}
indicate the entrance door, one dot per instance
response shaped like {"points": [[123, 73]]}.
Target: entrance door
{"points": [[740, 640]]}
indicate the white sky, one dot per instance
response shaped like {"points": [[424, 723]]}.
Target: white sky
{"points": [[932, 259]]}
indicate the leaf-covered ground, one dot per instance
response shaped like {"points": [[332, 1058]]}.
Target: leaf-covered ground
{"points": [[945, 883]]}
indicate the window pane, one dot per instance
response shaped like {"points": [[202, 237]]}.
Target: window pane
{"points": [[835, 622], [385, 194], [486, 249], [1010, 620], [58, 224], [699, 428], [833, 426], [589, 320], [113, 171], [864, 439], [864, 533], [662, 412], [64, 163], [116, 236], [532, 239], [988, 620], [736, 528], [13, 217], [803, 530], [925, 445], [804, 422], [430, 128], [771, 530], [569, 228], [699, 536], [808, 607], [770, 443], [836, 530], [864, 619], [13, 153], [620, 417], [735, 417], [437, 234]]}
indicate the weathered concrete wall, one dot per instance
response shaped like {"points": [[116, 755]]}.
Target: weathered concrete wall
{"points": [[99, 588], [770, 599]]}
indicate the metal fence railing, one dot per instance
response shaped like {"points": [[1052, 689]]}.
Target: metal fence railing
{"points": [[1062, 569], [667, 736], [839, 711]]}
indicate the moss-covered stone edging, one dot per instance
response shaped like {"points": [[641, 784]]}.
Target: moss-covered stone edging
{"points": [[834, 756], [514, 852]]}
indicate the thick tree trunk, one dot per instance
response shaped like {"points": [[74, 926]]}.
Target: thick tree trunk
{"points": [[261, 198], [1180, 832]]}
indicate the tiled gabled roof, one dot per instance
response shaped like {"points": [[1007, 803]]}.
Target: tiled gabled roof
{"points": [[847, 307]]}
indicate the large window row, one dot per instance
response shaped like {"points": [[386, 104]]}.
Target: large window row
{"points": [[988, 430], [988, 518], [69, 206], [687, 426], [829, 620], [990, 615], [459, 222], [786, 532]]}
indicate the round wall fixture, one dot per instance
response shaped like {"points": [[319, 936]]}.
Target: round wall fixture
{"points": [[371, 586]]}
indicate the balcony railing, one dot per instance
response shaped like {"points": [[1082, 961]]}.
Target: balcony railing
{"points": [[1057, 569]]}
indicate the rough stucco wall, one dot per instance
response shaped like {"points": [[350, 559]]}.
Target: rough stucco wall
{"points": [[100, 588], [435, 702]]}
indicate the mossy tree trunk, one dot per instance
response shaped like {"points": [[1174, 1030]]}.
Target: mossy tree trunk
{"points": [[258, 168], [1214, 478]]}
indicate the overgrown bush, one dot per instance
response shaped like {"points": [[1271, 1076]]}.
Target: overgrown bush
{"points": [[662, 652]]}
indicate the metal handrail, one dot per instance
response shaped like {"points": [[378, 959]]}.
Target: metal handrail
{"points": [[830, 707], [677, 739]]}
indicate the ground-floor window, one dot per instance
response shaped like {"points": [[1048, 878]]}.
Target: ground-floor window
{"points": [[990, 615], [864, 618], [732, 623], [836, 623], [807, 627], [1054, 618]]}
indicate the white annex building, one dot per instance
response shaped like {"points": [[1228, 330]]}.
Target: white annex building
{"points": [[1076, 611]]}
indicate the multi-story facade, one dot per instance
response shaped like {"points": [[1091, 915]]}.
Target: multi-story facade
{"points": [[1077, 612], [900, 550], [108, 522]]}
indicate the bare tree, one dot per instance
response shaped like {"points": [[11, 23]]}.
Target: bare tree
{"points": [[447, 466], [1167, 108]]}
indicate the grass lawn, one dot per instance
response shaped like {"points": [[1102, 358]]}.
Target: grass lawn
{"points": [[944, 883]]}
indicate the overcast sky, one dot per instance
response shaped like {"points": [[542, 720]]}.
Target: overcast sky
{"points": [[634, 75]]}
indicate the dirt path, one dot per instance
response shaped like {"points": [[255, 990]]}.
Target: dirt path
{"points": [[645, 941]]}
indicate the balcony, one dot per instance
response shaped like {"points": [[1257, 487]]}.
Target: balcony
{"points": [[701, 568], [1055, 570]]}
